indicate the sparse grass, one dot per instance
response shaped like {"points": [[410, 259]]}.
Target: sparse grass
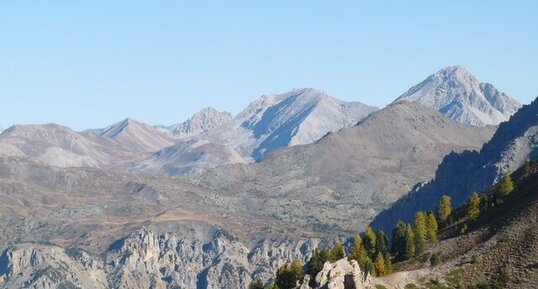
{"points": [[454, 277], [380, 287], [436, 284], [410, 286]]}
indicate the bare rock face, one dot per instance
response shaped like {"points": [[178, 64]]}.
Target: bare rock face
{"points": [[202, 121], [50, 267], [457, 94], [341, 274], [147, 259]]}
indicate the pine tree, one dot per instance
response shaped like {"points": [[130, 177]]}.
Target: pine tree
{"points": [[506, 186], [382, 242], [288, 276], [296, 268], [420, 232], [369, 267], [379, 265], [337, 252], [444, 208], [473, 207], [431, 228], [258, 284], [409, 251], [370, 242], [315, 264], [398, 240]]}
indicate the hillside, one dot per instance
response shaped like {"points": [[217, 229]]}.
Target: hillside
{"points": [[497, 249], [60, 146], [351, 175], [271, 122], [138, 137], [513, 143]]}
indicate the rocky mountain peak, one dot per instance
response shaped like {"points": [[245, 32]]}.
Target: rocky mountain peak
{"points": [[459, 95], [137, 136], [204, 120]]}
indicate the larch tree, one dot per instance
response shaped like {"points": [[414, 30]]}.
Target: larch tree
{"points": [[444, 208], [370, 242], [473, 207], [379, 265], [432, 228], [506, 186], [337, 252], [420, 232]]}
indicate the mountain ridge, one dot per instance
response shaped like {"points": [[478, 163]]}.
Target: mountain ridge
{"points": [[459, 95]]}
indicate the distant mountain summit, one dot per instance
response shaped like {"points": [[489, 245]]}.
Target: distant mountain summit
{"points": [[300, 116], [459, 95], [202, 121], [271, 122], [137, 136]]}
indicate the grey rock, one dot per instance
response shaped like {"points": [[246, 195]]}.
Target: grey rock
{"points": [[459, 95]]}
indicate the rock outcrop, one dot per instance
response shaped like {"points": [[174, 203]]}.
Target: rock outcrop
{"points": [[147, 259], [341, 274]]}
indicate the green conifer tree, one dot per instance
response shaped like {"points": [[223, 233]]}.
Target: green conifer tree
{"points": [[409, 251], [382, 242]]}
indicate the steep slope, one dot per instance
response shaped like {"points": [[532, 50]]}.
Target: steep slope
{"points": [[351, 175], [202, 121], [299, 116], [137, 136], [60, 146], [457, 94], [459, 175], [90, 228]]}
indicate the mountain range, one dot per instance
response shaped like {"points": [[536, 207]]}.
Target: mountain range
{"points": [[211, 138], [217, 201]]}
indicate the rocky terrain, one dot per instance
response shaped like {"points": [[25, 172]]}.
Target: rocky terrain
{"points": [[60, 146], [355, 173], [292, 172], [137, 136], [514, 143], [202, 121], [459, 95], [271, 122]]}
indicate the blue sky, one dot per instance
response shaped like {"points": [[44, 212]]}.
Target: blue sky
{"points": [[94, 63]]}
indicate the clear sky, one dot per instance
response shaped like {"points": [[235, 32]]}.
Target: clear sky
{"points": [[92, 63]]}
